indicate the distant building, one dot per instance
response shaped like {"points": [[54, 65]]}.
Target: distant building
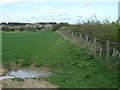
{"points": [[27, 25], [48, 25], [38, 25]]}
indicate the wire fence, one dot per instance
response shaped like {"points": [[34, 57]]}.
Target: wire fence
{"points": [[94, 46]]}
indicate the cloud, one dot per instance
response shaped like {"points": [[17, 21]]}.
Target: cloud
{"points": [[87, 4], [72, 0], [2, 2], [16, 11], [78, 16]]}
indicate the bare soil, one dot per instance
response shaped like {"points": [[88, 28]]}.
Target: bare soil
{"points": [[23, 83], [3, 71], [27, 83]]}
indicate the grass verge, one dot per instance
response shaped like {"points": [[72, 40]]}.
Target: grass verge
{"points": [[71, 65]]}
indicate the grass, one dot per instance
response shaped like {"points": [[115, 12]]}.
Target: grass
{"points": [[18, 79], [71, 65], [0, 47], [27, 47]]}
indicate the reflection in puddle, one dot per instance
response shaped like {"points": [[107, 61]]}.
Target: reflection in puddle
{"points": [[6, 77], [32, 72]]}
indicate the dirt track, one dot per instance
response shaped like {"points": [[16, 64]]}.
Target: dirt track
{"points": [[27, 83]]}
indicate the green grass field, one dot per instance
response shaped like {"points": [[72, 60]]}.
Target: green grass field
{"points": [[71, 66]]}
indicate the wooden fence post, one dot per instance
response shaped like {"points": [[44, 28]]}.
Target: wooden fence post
{"points": [[80, 36], [94, 48], [72, 35], [100, 53], [107, 54], [67, 35], [86, 41], [75, 37]]}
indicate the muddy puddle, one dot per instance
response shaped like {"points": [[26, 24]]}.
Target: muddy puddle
{"points": [[31, 72]]}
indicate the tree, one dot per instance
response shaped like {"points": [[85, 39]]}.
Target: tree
{"points": [[22, 29], [12, 29], [7, 29], [58, 26]]}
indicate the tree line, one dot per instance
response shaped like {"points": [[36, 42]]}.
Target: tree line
{"points": [[21, 29]]}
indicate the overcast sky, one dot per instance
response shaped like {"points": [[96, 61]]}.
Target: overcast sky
{"points": [[70, 11]]}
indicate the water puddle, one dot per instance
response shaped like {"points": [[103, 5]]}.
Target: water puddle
{"points": [[31, 72]]}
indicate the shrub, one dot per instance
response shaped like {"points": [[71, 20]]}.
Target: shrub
{"points": [[12, 29], [96, 29], [21, 29], [6, 28], [58, 26]]}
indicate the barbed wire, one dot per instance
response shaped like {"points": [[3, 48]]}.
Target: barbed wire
{"points": [[101, 48], [96, 38]]}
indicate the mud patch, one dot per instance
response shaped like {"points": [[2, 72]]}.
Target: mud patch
{"points": [[3, 71], [27, 83], [29, 72]]}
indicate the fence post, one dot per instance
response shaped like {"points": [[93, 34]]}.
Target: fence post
{"points": [[107, 54], [86, 41], [100, 53], [94, 48], [75, 38], [67, 35], [71, 36], [80, 36]]}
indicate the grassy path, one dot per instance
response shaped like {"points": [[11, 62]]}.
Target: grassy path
{"points": [[71, 65]]}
